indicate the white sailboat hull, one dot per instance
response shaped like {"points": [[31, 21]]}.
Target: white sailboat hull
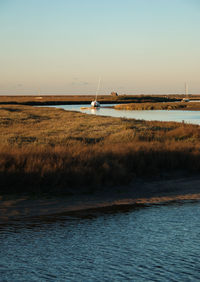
{"points": [[95, 104]]}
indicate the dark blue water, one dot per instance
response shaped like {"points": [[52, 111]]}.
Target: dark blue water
{"points": [[158, 243]]}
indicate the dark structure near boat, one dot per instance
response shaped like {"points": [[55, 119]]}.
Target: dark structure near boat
{"points": [[114, 94]]}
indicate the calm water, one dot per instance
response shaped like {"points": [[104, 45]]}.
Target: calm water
{"points": [[179, 116], [157, 243]]}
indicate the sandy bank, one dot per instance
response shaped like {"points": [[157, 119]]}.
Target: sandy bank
{"points": [[157, 192]]}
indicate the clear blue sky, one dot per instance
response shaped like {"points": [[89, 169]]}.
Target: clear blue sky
{"points": [[63, 46]]}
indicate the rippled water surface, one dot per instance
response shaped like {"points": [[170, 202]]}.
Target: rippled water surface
{"points": [[157, 243], [161, 115]]}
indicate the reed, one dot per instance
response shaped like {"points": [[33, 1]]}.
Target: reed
{"points": [[84, 99], [49, 150], [192, 106]]}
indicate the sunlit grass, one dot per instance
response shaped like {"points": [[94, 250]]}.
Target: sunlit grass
{"points": [[192, 106], [52, 150], [81, 99]]}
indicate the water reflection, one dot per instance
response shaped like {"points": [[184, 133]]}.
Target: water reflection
{"points": [[94, 111]]}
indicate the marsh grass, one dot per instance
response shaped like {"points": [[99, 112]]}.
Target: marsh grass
{"points": [[80, 99], [192, 106], [55, 151]]}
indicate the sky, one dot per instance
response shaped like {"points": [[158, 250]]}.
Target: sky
{"points": [[64, 46]]}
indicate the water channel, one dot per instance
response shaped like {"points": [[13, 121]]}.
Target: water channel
{"points": [[157, 243], [160, 115]]}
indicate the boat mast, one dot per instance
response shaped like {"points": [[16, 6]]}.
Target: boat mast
{"points": [[186, 89], [98, 87]]}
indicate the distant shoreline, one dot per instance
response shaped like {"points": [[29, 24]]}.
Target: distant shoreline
{"points": [[123, 102], [83, 99]]}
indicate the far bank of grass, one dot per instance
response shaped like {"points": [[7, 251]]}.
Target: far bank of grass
{"points": [[84, 99], [49, 150], [184, 106]]}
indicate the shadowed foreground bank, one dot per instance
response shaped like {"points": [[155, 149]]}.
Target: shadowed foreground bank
{"points": [[114, 199], [48, 150]]}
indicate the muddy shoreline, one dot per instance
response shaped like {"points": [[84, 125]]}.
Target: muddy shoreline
{"points": [[139, 194]]}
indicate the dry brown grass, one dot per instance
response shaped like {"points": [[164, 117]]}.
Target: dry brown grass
{"points": [[52, 150], [80, 99], [192, 106]]}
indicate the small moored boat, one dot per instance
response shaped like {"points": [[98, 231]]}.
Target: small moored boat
{"points": [[95, 104], [185, 100]]}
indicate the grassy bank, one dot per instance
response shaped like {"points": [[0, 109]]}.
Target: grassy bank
{"points": [[52, 150], [83, 99], [192, 106]]}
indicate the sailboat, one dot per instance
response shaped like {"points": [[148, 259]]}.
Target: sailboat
{"points": [[95, 103]]}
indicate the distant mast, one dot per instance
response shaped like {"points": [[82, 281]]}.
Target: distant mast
{"points": [[95, 103], [98, 87], [186, 89], [186, 99]]}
